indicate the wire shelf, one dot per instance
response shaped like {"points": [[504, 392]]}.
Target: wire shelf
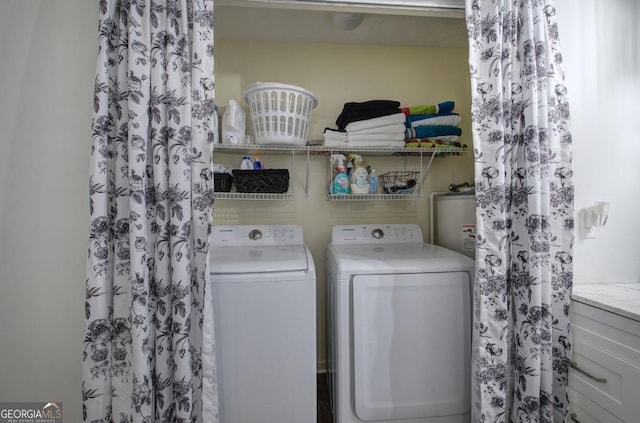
{"points": [[390, 151], [262, 149], [316, 149], [325, 150], [373, 197], [252, 196]]}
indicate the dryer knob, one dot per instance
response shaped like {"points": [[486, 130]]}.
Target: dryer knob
{"points": [[377, 233], [255, 234]]}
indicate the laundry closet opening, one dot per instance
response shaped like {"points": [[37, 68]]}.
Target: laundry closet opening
{"points": [[412, 56]]}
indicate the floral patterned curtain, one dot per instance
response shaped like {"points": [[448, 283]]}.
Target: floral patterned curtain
{"points": [[524, 196], [148, 351]]}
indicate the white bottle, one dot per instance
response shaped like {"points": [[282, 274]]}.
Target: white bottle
{"points": [[373, 182], [359, 177], [234, 124], [246, 163]]}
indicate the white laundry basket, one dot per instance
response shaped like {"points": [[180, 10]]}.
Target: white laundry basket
{"points": [[280, 113]]}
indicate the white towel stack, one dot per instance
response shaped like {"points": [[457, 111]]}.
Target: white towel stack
{"points": [[334, 138], [384, 131]]}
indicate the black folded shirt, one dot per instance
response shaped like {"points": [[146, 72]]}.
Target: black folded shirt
{"points": [[353, 112]]}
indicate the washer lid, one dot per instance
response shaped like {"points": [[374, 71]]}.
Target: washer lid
{"points": [[258, 259], [257, 249]]}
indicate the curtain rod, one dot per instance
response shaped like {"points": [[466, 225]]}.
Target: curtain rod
{"points": [[433, 4]]}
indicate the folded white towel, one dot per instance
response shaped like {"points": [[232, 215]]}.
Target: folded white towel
{"points": [[335, 139], [334, 133], [376, 137], [334, 143], [378, 144], [377, 122], [386, 129], [335, 136]]}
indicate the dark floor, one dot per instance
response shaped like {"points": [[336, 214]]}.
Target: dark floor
{"points": [[324, 407]]}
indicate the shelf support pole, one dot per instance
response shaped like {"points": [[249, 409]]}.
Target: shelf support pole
{"points": [[306, 177], [426, 172]]}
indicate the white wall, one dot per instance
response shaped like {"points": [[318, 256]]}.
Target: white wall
{"points": [[47, 66], [601, 49]]}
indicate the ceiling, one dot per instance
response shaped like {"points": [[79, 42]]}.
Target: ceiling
{"points": [[292, 25]]}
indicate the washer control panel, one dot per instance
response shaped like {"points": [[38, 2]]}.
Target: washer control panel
{"points": [[376, 234], [255, 235]]}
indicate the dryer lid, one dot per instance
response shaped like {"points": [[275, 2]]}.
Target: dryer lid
{"points": [[395, 258], [257, 249]]}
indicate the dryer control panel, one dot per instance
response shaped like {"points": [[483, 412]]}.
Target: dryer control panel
{"points": [[377, 234]]}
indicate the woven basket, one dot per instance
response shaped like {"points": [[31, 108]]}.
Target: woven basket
{"points": [[267, 181]]}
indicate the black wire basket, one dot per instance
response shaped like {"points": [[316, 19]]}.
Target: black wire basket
{"points": [[399, 181], [222, 181], [266, 181]]}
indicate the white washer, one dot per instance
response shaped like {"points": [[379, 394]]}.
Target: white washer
{"points": [[264, 302], [399, 329]]}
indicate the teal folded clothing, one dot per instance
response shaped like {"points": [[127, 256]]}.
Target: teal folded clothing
{"points": [[444, 119], [431, 131]]}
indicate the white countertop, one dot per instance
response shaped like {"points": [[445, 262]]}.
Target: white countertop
{"points": [[622, 299]]}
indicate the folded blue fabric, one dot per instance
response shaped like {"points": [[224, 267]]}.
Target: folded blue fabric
{"points": [[413, 118], [446, 106], [431, 131]]}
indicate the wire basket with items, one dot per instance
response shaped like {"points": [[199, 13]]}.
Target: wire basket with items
{"points": [[399, 181], [266, 181], [280, 113]]}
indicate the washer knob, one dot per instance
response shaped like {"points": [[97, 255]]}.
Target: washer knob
{"points": [[255, 234]]}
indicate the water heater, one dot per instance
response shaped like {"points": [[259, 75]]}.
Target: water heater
{"points": [[453, 221]]}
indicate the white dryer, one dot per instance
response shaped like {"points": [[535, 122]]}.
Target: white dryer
{"points": [[264, 303], [399, 327]]}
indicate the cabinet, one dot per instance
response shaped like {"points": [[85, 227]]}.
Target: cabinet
{"points": [[423, 156], [604, 379]]}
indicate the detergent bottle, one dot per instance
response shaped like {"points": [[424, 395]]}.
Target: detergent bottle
{"points": [[257, 163], [360, 176], [234, 124], [373, 181], [340, 180], [246, 164]]}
